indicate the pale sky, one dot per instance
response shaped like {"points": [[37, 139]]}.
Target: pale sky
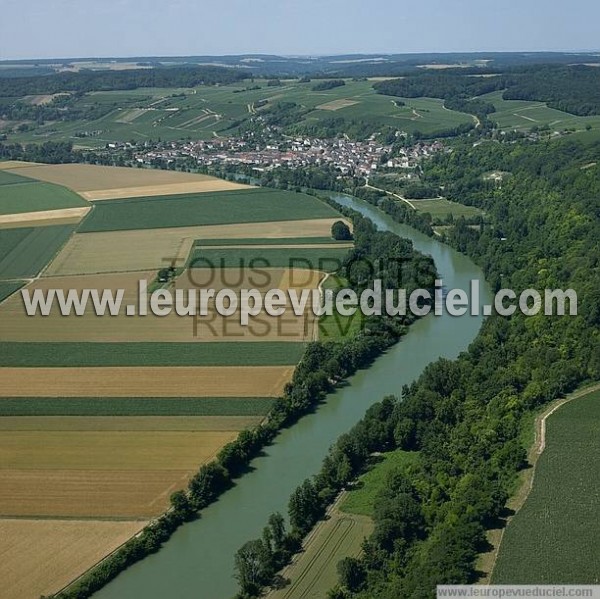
{"points": [[96, 28]]}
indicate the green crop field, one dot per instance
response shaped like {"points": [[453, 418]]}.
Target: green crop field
{"points": [[314, 571], [223, 207], [8, 288], [524, 114], [203, 112], [25, 251], [361, 500], [551, 540], [276, 353], [135, 406], [268, 241], [441, 208], [8, 178], [33, 196], [323, 259]]}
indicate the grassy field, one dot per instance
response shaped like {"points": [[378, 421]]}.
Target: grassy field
{"points": [[252, 205], [33, 196], [7, 288], [314, 571], [135, 406], [441, 208], [524, 114], [551, 539], [361, 499], [200, 113], [326, 259], [150, 354], [336, 326], [25, 252]]}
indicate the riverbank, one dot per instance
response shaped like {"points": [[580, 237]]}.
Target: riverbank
{"points": [[199, 556]]}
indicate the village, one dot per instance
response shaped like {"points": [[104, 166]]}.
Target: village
{"points": [[347, 156]]}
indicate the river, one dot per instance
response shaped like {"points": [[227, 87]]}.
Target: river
{"points": [[197, 562]]}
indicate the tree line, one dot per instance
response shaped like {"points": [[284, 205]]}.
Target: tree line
{"points": [[88, 81]]}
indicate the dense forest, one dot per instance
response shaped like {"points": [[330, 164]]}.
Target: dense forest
{"points": [[572, 89], [87, 81], [464, 417]]}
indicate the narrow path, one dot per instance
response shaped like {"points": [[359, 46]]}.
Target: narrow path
{"points": [[390, 193]]}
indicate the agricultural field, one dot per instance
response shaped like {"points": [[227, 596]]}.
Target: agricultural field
{"points": [[209, 112], [43, 218], [273, 353], [127, 423], [522, 115], [135, 406], [181, 381], [226, 207], [33, 196], [137, 250], [94, 182], [7, 288], [314, 571], [61, 550], [104, 418], [279, 241], [559, 519], [26, 251], [320, 257], [9, 178], [16, 326]]}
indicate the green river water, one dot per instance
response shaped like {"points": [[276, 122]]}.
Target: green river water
{"points": [[197, 562]]}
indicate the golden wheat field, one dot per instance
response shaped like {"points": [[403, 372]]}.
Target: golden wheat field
{"points": [[39, 557], [94, 182]]}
